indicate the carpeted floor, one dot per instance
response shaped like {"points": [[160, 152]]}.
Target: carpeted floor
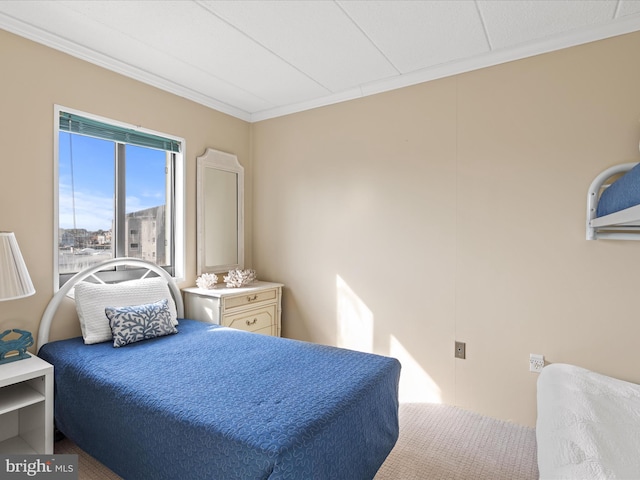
{"points": [[448, 443], [437, 442]]}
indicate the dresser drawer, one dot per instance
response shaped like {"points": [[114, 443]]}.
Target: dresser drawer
{"points": [[260, 320], [251, 298]]}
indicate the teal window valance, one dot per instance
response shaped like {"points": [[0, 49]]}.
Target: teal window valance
{"points": [[70, 122]]}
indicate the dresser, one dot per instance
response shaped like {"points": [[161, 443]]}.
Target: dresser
{"points": [[254, 308]]}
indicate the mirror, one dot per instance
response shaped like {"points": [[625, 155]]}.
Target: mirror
{"points": [[220, 212]]}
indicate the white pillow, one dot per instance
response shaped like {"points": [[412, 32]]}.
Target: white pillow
{"points": [[93, 298]]}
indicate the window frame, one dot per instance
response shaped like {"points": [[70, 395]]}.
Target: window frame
{"points": [[178, 195]]}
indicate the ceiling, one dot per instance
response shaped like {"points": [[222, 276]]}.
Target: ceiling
{"points": [[262, 59]]}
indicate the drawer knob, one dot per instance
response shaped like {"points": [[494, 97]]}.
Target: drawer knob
{"points": [[251, 322], [251, 299]]}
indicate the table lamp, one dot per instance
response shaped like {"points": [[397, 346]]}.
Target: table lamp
{"points": [[14, 283]]}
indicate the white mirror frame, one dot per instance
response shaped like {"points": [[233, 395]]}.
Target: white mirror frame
{"points": [[217, 160]]}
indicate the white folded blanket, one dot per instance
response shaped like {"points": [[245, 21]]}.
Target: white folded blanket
{"points": [[588, 425]]}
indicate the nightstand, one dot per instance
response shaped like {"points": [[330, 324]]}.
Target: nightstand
{"points": [[254, 308], [26, 407]]}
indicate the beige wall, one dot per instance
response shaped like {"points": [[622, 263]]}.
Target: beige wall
{"points": [[33, 78], [455, 209]]}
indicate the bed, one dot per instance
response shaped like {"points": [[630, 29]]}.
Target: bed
{"points": [[218, 403], [613, 204], [588, 425]]}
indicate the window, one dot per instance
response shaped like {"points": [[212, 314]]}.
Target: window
{"points": [[119, 193]]}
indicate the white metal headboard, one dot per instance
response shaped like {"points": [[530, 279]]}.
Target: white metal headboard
{"points": [[54, 303]]}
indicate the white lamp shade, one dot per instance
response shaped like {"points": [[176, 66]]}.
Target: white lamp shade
{"points": [[14, 277]]}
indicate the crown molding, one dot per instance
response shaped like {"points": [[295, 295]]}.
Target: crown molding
{"points": [[615, 28], [43, 37]]}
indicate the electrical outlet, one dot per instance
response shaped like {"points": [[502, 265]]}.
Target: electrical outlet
{"points": [[461, 348], [536, 362]]}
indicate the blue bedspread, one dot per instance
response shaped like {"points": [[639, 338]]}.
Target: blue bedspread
{"points": [[217, 403], [623, 193]]}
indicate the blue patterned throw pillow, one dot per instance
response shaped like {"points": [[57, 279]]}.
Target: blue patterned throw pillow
{"points": [[140, 322]]}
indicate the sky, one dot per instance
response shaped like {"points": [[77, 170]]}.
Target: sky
{"points": [[93, 180]]}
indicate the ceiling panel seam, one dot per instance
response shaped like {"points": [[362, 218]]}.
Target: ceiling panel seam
{"points": [[484, 25], [616, 11], [261, 45], [369, 39]]}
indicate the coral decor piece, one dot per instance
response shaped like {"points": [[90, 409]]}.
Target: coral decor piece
{"points": [[207, 280], [239, 278]]}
